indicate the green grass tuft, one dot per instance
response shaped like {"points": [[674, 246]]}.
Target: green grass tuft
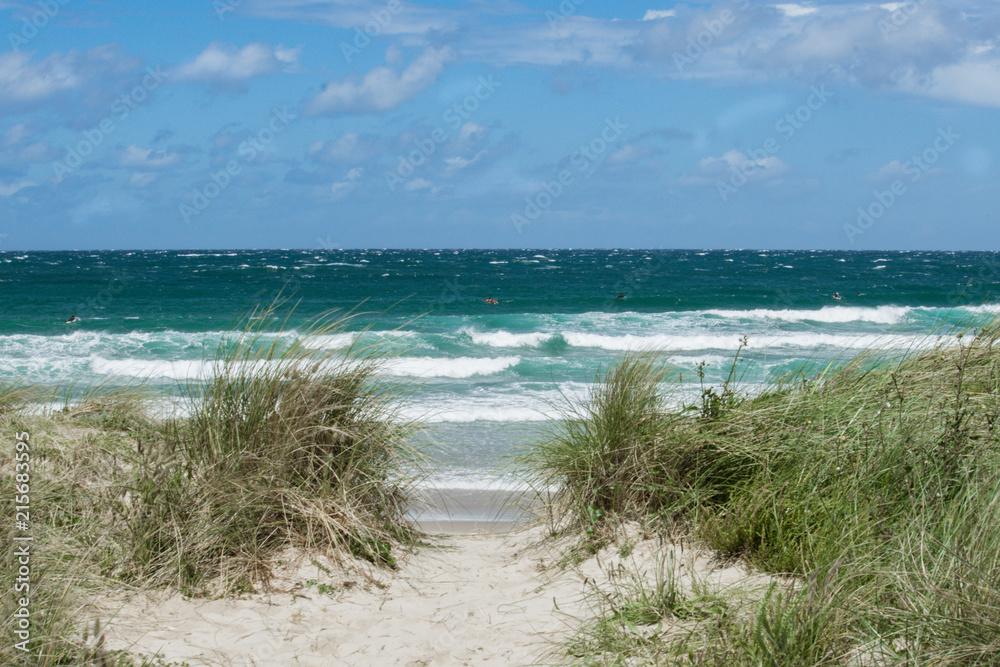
{"points": [[875, 484], [286, 446], [606, 456]]}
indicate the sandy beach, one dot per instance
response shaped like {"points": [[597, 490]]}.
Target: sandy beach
{"points": [[464, 599], [438, 332]]}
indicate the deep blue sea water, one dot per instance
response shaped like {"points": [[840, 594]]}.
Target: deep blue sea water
{"points": [[491, 374]]}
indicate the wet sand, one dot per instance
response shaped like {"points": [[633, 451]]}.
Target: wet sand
{"points": [[465, 511]]}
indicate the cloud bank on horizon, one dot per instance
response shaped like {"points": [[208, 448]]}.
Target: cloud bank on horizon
{"points": [[568, 123]]}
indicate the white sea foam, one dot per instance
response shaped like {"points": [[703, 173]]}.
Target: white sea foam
{"points": [[341, 340], [506, 338], [713, 360], [828, 314], [190, 369], [468, 480], [150, 368], [422, 367], [460, 411], [454, 367], [169, 344], [333, 341], [454, 347], [986, 308], [690, 342], [508, 403]]}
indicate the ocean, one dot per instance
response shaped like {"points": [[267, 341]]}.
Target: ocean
{"points": [[491, 376]]}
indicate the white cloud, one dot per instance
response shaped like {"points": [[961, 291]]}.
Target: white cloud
{"points": [[414, 19], [381, 88], [344, 187], [351, 148], [224, 65], [796, 10], [457, 162], [894, 169], [653, 14], [710, 170], [859, 44], [8, 190], [420, 184], [25, 81], [16, 146], [574, 39], [629, 153], [16, 135], [146, 158], [928, 48], [471, 129], [735, 159], [976, 83]]}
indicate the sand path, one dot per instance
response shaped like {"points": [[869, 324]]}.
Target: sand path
{"points": [[467, 600]]}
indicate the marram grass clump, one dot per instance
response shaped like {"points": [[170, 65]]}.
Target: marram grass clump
{"points": [[288, 444], [606, 454], [69, 457], [875, 484]]}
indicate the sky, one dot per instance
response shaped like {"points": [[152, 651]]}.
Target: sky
{"points": [[473, 124]]}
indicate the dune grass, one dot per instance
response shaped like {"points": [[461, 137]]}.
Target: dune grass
{"points": [[66, 457], [605, 454], [877, 485], [286, 445]]}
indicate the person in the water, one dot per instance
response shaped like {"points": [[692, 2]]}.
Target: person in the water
{"points": [[491, 300], [72, 319], [621, 296], [836, 295]]}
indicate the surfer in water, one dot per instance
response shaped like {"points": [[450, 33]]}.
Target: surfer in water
{"points": [[836, 295], [72, 319], [620, 296], [491, 301]]}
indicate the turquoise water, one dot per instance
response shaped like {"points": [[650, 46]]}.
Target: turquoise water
{"points": [[491, 375]]}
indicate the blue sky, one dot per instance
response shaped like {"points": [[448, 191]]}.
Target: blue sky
{"points": [[312, 124]]}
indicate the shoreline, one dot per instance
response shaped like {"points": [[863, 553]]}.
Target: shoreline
{"points": [[452, 511]]}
